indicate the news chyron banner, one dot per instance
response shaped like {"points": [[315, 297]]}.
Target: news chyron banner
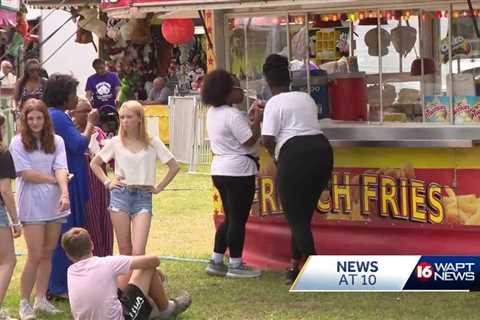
{"points": [[389, 273]]}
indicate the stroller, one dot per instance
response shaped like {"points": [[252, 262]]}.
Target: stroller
{"points": [[109, 120]]}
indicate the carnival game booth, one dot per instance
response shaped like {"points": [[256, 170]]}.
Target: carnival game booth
{"points": [[398, 98]]}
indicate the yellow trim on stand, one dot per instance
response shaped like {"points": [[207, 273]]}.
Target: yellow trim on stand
{"points": [[420, 158], [157, 119]]}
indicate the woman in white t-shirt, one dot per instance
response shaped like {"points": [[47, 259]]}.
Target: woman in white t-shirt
{"points": [[135, 155], [234, 166], [291, 133], [43, 201]]}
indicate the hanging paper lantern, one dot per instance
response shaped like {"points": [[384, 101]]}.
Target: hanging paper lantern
{"points": [[178, 31]]}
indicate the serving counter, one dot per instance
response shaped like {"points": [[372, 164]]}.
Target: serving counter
{"points": [[395, 189]]}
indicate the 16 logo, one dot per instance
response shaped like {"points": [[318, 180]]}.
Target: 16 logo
{"points": [[424, 271]]}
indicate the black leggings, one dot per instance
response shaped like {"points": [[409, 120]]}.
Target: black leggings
{"points": [[237, 197], [305, 166]]}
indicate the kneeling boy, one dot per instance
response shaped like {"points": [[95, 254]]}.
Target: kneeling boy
{"points": [[92, 284]]}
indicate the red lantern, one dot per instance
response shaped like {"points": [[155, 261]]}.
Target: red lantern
{"points": [[178, 31]]}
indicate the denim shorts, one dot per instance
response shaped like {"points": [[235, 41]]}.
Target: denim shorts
{"points": [[130, 200], [4, 222]]}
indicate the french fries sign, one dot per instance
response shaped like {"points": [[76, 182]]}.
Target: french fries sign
{"points": [[403, 195]]}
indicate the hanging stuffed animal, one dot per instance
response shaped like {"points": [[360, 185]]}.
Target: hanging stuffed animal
{"points": [[113, 28], [90, 22], [140, 31]]}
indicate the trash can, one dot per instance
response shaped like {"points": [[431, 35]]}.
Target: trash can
{"points": [[348, 96]]}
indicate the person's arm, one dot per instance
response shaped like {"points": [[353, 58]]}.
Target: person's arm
{"points": [[9, 200], [60, 168], [104, 156], [271, 126], [34, 176], [166, 157], [75, 142], [23, 165], [144, 262], [93, 117], [255, 127], [89, 95], [173, 170], [15, 98], [269, 143]]}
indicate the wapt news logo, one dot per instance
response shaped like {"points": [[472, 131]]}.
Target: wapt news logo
{"points": [[389, 273], [455, 273]]}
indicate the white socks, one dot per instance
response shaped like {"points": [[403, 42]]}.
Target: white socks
{"points": [[217, 258], [235, 262]]}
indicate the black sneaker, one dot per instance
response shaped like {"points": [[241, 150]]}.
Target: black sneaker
{"points": [[291, 275]]}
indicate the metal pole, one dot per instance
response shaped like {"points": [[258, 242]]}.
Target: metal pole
{"points": [[307, 57], [450, 67], [380, 66], [289, 45], [422, 78]]}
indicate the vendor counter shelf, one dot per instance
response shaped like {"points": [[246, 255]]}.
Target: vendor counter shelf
{"points": [[411, 135]]}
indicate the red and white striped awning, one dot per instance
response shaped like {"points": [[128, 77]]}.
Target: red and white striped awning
{"points": [[8, 19]]}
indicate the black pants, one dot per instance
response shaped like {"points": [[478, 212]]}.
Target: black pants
{"points": [[237, 197], [305, 166]]}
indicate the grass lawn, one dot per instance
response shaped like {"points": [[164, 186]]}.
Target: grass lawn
{"points": [[183, 227]]}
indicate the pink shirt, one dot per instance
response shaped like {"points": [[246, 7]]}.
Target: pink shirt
{"points": [[92, 287]]}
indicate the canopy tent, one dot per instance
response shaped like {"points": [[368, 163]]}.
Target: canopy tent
{"points": [[61, 4], [124, 7]]}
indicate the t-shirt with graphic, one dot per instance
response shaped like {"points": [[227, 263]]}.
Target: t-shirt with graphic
{"points": [[103, 89]]}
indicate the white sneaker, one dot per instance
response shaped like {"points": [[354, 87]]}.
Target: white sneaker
{"points": [[26, 312], [4, 315], [42, 305]]}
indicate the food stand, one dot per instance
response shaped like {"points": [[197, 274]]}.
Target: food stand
{"points": [[402, 116]]}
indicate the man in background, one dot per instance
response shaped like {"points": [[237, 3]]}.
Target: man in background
{"points": [[103, 87], [159, 92], [7, 77]]}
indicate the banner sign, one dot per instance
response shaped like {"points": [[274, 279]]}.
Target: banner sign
{"points": [[389, 273]]}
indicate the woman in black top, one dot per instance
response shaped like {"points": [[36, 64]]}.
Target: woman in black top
{"points": [[31, 85], [9, 225]]}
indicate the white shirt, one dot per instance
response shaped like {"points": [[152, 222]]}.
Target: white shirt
{"points": [[290, 114], [228, 129], [92, 287], [139, 168]]}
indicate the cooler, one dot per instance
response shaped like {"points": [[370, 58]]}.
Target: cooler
{"points": [[348, 96], [318, 89]]}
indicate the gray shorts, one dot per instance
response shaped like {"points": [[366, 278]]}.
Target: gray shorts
{"points": [[4, 221]]}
